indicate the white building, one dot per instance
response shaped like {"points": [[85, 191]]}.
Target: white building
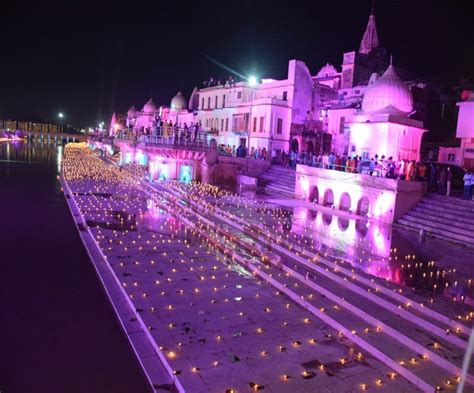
{"points": [[383, 126], [463, 155], [302, 112], [264, 112]]}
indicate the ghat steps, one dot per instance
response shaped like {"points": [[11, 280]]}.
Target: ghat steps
{"points": [[278, 180], [444, 217]]}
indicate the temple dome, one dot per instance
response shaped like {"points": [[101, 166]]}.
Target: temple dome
{"points": [[149, 107], [132, 111], [179, 102], [388, 94]]}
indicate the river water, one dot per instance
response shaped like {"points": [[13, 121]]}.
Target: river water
{"points": [[58, 333]]}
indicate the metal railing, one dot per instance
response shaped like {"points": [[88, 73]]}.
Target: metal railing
{"points": [[177, 141], [174, 138]]}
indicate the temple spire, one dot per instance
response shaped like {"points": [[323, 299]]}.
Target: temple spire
{"points": [[370, 40]]}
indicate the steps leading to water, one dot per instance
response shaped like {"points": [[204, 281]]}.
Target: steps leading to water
{"points": [[444, 217], [278, 180]]}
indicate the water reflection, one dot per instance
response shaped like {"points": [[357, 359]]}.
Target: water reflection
{"points": [[31, 152], [372, 247]]}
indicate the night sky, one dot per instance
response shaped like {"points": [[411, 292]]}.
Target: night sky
{"points": [[88, 60]]}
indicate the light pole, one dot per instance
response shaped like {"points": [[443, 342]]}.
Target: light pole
{"points": [[252, 82], [60, 117]]}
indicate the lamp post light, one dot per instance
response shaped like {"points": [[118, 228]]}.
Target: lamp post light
{"points": [[60, 117], [252, 82]]}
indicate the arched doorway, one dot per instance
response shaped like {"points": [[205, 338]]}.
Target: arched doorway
{"points": [[363, 206], [328, 198], [309, 147], [345, 202], [314, 195], [294, 145]]}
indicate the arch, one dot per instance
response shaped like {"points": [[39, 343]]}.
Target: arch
{"points": [[327, 218], [345, 202], [314, 195], [361, 228], [313, 214], [309, 147], [363, 206], [343, 224], [294, 144], [328, 199]]}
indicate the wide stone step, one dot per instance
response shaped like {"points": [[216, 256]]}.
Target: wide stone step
{"points": [[283, 183], [437, 232], [463, 224], [467, 219], [283, 174], [278, 177], [282, 186], [440, 207], [452, 203], [452, 199], [448, 229], [283, 190]]}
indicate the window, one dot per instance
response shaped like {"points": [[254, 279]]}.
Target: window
{"points": [[279, 126], [208, 102], [227, 124], [222, 124], [223, 101], [239, 95], [341, 125], [254, 127], [261, 123], [451, 157], [215, 106], [285, 96], [202, 103]]}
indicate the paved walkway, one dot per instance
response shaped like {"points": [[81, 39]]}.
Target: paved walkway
{"points": [[240, 309]]}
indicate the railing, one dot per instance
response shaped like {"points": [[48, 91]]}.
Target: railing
{"points": [[364, 168], [183, 139], [177, 141]]}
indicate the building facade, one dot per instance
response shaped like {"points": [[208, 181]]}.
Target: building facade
{"points": [[317, 114]]}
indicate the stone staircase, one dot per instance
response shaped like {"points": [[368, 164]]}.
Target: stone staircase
{"points": [[278, 181], [444, 217]]}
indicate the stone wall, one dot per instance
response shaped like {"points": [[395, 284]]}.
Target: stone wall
{"points": [[383, 199], [228, 168]]}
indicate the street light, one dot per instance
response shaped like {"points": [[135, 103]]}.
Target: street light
{"points": [[252, 82], [60, 116]]}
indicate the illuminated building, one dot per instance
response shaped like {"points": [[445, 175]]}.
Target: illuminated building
{"points": [[305, 112]]}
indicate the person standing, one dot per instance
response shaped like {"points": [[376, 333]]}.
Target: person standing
{"points": [[371, 166], [432, 184], [467, 186], [449, 179], [442, 181]]}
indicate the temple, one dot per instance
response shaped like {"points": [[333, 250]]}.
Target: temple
{"points": [[365, 109]]}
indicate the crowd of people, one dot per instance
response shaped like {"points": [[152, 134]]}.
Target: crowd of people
{"points": [[409, 170], [229, 82], [166, 129], [438, 176], [241, 151]]}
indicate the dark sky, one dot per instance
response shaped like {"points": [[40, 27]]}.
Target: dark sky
{"points": [[89, 59]]}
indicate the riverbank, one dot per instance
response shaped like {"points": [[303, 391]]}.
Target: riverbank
{"points": [[222, 327]]}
